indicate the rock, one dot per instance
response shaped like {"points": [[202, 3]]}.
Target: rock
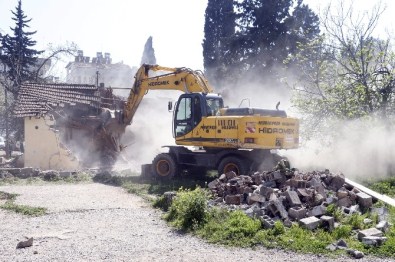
{"points": [[355, 253], [24, 244], [337, 182], [341, 244]]}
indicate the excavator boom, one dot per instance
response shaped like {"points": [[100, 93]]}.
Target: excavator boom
{"points": [[182, 79]]}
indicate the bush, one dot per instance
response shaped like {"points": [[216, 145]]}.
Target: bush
{"points": [[189, 209], [230, 228]]}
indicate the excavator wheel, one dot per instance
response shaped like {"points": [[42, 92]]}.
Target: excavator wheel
{"points": [[164, 166], [235, 164]]}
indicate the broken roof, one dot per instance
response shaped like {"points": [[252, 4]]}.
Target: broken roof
{"points": [[36, 99]]}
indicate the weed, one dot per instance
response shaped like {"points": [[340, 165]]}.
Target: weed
{"points": [[7, 196], [189, 209], [231, 228], [23, 209]]}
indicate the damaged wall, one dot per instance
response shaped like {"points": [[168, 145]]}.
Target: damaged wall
{"points": [[43, 148]]}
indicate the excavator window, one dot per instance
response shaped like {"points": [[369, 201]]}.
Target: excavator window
{"points": [[183, 121], [213, 106]]}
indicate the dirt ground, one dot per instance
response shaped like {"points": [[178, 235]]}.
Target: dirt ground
{"points": [[95, 222]]}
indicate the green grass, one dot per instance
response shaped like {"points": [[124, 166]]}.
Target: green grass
{"points": [[21, 209], [384, 186], [80, 177]]}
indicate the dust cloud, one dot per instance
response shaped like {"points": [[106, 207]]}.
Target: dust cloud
{"points": [[150, 131], [361, 150]]}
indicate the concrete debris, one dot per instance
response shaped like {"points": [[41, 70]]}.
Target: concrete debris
{"points": [[373, 240], [295, 197], [310, 222], [369, 232]]}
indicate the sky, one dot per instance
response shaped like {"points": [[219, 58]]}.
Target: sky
{"points": [[122, 27]]}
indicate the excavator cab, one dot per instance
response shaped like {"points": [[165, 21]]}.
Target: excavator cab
{"points": [[190, 109]]}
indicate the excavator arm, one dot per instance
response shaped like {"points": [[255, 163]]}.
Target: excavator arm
{"points": [[182, 79]]}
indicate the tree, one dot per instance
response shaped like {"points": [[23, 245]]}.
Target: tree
{"points": [[219, 30], [18, 55], [349, 74], [148, 53], [268, 32]]}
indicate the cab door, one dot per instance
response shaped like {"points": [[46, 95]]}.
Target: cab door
{"points": [[188, 114]]}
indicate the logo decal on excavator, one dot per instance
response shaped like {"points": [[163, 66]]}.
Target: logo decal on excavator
{"points": [[159, 83], [250, 127]]}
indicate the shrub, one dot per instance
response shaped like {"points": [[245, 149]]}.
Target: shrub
{"points": [[189, 209], [342, 231]]}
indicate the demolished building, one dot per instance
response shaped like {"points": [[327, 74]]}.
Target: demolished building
{"points": [[69, 126]]}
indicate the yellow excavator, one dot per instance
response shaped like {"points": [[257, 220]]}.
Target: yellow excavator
{"points": [[224, 139]]}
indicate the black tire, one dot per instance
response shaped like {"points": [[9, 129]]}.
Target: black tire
{"points": [[164, 166], [235, 164]]}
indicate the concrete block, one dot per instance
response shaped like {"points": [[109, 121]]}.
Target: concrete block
{"points": [[364, 200], [328, 222], [337, 182], [232, 199], [267, 222], [317, 211], [310, 223], [266, 191], [293, 198], [213, 184], [297, 212], [296, 183], [341, 193], [318, 199], [344, 202], [373, 241], [222, 178], [369, 232], [383, 226], [230, 175], [276, 207], [304, 192], [256, 198]]}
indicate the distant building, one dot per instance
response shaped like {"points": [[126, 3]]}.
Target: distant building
{"points": [[99, 69]]}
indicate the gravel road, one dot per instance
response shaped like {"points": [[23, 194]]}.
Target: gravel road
{"points": [[95, 222]]}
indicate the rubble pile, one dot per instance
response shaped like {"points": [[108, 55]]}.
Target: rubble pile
{"points": [[292, 196]]}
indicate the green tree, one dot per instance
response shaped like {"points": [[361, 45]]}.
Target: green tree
{"points": [[148, 53], [18, 55], [219, 30], [269, 31]]}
